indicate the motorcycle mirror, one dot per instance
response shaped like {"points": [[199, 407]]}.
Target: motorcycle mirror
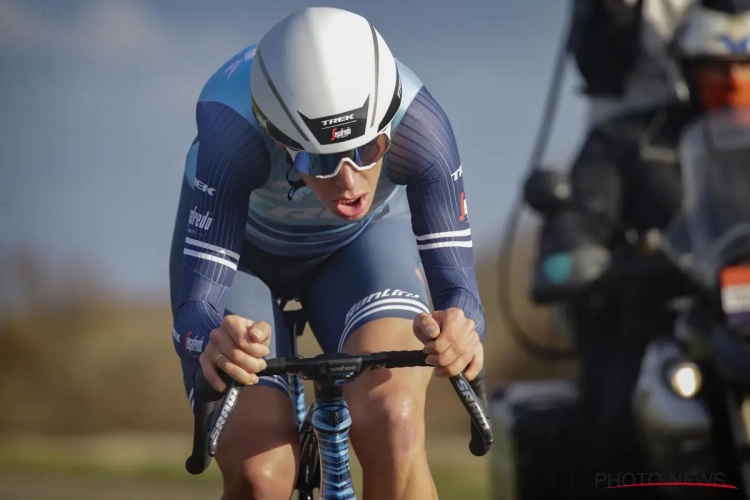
{"points": [[547, 191]]}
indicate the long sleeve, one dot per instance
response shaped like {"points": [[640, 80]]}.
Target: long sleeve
{"points": [[232, 161], [424, 157]]}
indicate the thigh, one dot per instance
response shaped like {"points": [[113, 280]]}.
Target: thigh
{"points": [[376, 276]]}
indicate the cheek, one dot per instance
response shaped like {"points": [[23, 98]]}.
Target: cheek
{"points": [[324, 189], [372, 177]]}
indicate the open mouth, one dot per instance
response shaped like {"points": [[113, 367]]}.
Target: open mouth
{"points": [[351, 207]]}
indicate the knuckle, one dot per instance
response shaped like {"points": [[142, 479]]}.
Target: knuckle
{"points": [[440, 345], [235, 355], [255, 349], [455, 351], [445, 358], [455, 312], [479, 359], [449, 335], [479, 350], [471, 324]]}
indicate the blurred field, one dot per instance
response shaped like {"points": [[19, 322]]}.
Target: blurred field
{"points": [[152, 467], [94, 405]]}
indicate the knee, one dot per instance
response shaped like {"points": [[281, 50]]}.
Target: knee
{"points": [[268, 476], [389, 425], [258, 452]]}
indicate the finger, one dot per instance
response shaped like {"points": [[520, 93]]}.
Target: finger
{"points": [[237, 328], [260, 332], [436, 357], [257, 350], [425, 327], [241, 366], [209, 371], [460, 363], [448, 356], [243, 360], [455, 326], [455, 335], [475, 366], [438, 316], [449, 344], [234, 371]]}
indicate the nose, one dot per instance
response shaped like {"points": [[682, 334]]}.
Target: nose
{"points": [[738, 74], [734, 76], [346, 177]]}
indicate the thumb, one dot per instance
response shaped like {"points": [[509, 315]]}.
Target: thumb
{"points": [[259, 333], [425, 327]]}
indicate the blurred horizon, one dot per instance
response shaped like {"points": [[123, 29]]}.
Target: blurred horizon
{"points": [[101, 96]]}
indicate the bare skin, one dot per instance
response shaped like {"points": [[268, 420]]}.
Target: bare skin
{"points": [[259, 451], [388, 406], [349, 183], [723, 84]]}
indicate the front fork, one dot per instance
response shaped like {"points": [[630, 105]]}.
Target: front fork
{"points": [[330, 420]]}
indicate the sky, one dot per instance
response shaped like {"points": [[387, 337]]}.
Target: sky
{"points": [[97, 99]]}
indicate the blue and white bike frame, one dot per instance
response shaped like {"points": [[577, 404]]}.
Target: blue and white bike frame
{"points": [[324, 430]]}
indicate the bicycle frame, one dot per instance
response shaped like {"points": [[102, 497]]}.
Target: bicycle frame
{"points": [[324, 427], [329, 421]]}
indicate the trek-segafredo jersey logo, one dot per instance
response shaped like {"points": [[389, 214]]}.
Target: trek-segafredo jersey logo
{"points": [[375, 296], [193, 344], [200, 221]]}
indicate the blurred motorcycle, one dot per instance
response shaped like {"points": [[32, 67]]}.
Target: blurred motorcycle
{"points": [[691, 403], [692, 398]]}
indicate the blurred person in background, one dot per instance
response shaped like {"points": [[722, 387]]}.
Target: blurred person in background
{"points": [[639, 60], [324, 171]]}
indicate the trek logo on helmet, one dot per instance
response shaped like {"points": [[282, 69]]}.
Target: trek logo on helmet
{"points": [[339, 127], [341, 119]]}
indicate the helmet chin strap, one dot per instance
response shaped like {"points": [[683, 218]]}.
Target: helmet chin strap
{"points": [[295, 185]]}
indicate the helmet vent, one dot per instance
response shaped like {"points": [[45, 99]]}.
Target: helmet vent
{"points": [[276, 94]]}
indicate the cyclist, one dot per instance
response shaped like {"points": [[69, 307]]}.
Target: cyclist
{"points": [[323, 170], [627, 176]]}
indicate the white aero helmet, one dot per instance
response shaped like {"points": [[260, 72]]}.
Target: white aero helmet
{"points": [[324, 81], [716, 29]]}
